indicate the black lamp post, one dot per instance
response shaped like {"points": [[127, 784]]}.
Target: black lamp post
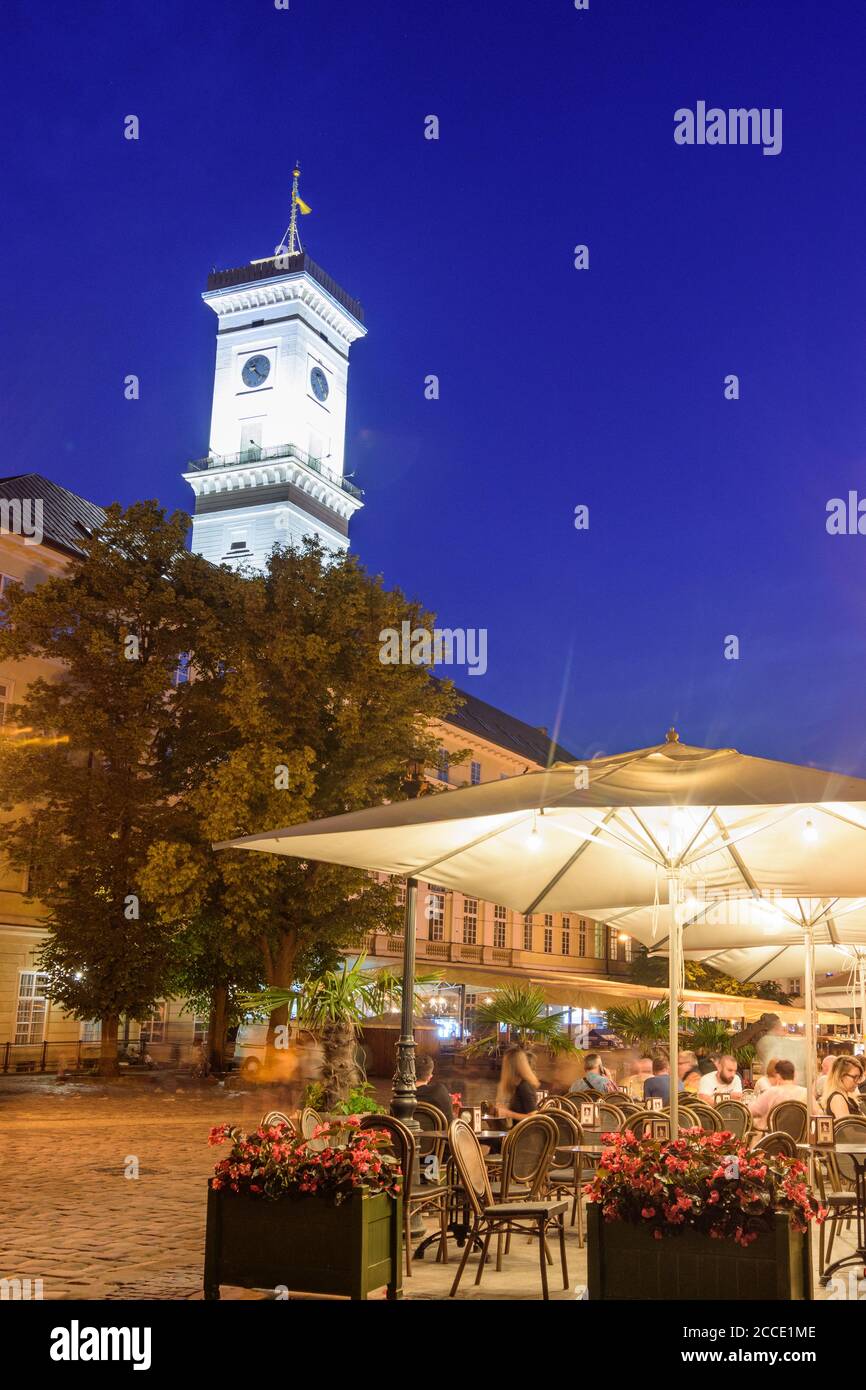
{"points": [[403, 1091]]}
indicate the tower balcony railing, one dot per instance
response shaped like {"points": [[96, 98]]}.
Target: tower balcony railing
{"points": [[278, 451]]}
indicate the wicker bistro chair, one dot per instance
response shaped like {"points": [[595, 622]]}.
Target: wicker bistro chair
{"points": [[430, 1198], [431, 1151], [735, 1116], [610, 1117], [527, 1155], [308, 1121], [566, 1178], [835, 1175], [490, 1218], [640, 1123], [775, 1142], [277, 1117], [706, 1116], [791, 1117]]}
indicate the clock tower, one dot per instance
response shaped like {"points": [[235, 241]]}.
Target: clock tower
{"points": [[274, 470]]}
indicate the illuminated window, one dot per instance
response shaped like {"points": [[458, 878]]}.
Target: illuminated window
{"points": [[548, 940], [475, 773], [434, 911], [499, 928], [470, 921], [153, 1028], [581, 937], [527, 932], [32, 1006]]}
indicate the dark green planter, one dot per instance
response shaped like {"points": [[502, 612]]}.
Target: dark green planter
{"points": [[625, 1261], [304, 1244]]}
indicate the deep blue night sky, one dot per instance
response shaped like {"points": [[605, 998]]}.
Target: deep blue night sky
{"points": [[558, 387]]}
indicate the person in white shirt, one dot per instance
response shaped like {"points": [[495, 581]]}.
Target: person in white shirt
{"points": [[783, 1088], [723, 1081]]}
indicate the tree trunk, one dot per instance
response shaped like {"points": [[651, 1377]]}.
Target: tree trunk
{"points": [[217, 1027], [281, 973], [108, 1045], [339, 1068]]}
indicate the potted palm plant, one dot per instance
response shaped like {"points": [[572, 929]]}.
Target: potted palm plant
{"points": [[523, 1010], [641, 1025], [332, 1006]]}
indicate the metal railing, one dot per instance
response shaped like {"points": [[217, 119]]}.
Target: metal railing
{"points": [[278, 451], [78, 1056]]}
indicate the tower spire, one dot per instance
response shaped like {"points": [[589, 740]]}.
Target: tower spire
{"points": [[291, 242]]}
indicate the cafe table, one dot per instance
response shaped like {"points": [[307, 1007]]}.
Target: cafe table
{"points": [[857, 1154]]}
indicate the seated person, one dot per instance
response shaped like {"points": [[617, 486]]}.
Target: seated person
{"points": [[433, 1092], [659, 1084], [594, 1078], [840, 1092], [689, 1071], [634, 1084], [783, 1088], [723, 1080]]}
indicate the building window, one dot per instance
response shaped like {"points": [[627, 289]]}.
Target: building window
{"points": [[442, 765], [581, 938], [5, 698], [626, 948], [91, 1030], [401, 892], [32, 1005], [153, 1029], [199, 1029], [470, 921], [499, 928], [475, 773], [566, 938], [434, 911], [527, 932], [548, 941], [599, 940]]}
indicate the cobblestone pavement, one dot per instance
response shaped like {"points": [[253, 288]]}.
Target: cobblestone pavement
{"points": [[71, 1217]]}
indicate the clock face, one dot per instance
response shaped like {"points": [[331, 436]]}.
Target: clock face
{"points": [[319, 383], [256, 370]]}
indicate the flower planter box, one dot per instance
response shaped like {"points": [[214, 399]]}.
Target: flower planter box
{"points": [[303, 1244], [625, 1261]]}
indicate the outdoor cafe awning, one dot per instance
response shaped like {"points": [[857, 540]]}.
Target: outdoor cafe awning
{"points": [[587, 992]]}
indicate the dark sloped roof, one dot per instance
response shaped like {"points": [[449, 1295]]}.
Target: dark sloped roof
{"points": [[486, 721], [66, 517]]}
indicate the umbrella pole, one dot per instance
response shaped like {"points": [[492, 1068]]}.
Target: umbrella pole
{"points": [[861, 976], [675, 947], [811, 1020]]}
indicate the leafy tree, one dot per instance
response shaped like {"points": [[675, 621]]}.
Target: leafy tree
{"points": [[523, 1010], [303, 720], [653, 970], [84, 777]]}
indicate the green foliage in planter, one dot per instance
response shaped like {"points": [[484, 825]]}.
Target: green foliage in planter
{"points": [[359, 1101]]}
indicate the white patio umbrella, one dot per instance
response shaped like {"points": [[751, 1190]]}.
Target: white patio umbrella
{"points": [[609, 833], [754, 938]]}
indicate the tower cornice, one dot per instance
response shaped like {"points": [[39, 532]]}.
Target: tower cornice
{"points": [[285, 280]]}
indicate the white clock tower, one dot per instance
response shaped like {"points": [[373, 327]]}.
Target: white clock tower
{"points": [[274, 471]]}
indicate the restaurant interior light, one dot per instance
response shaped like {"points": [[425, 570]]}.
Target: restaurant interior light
{"points": [[809, 831]]}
